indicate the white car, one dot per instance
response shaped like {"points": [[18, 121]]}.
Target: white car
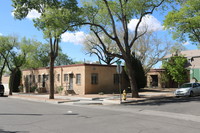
{"points": [[188, 89]]}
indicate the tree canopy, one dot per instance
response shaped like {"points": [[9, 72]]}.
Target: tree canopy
{"points": [[56, 18], [184, 22], [107, 16], [175, 67]]}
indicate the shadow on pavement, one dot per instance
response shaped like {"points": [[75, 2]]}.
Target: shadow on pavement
{"points": [[165, 100], [3, 131], [20, 114], [4, 96]]}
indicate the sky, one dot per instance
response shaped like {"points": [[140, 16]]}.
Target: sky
{"points": [[72, 43]]}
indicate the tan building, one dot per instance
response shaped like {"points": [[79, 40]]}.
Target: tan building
{"points": [[154, 78], [78, 79]]}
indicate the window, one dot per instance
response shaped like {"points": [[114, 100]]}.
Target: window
{"points": [[58, 77], [47, 77], [33, 78], [94, 78], [116, 78], [78, 78], [39, 78], [65, 77]]}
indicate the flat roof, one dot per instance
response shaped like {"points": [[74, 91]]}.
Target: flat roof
{"points": [[72, 65]]}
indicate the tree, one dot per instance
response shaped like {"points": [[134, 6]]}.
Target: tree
{"points": [[93, 46], [56, 18], [3, 53], [63, 59], [139, 71], [175, 68], [107, 16], [184, 22], [150, 49], [14, 55], [39, 56]]}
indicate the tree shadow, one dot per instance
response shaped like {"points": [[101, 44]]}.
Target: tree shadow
{"points": [[3, 131], [20, 114], [164, 100], [4, 96]]}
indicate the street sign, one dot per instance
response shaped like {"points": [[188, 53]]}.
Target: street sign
{"points": [[119, 69], [119, 62]]}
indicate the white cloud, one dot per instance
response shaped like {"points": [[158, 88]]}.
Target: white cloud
{"points": [[31, 15], [149, 22], [76, 38], [1, 34], [186, 43]]}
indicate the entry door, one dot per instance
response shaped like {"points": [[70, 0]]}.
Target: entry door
{"points": [[70, 81]]}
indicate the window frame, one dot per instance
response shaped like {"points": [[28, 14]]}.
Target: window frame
{"points": [[94, 78], [78, 78]]}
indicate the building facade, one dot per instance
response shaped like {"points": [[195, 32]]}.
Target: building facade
{"points": [[193, 64], [75, 79]]}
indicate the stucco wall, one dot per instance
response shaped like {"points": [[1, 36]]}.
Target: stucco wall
{"points": [[105, 79]]}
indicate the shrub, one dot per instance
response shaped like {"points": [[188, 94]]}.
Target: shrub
{"points": [[60, 89]]}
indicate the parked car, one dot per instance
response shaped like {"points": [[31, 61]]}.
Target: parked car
{"points": [[1, 90], [188, 89]]}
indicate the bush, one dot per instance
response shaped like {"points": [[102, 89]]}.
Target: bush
{"points": [[60, 89], [33, 88]]}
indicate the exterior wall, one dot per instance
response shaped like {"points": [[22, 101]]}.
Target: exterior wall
{"points": [[194, 67], [157, 73], [82, 72], [72, 70], [105, 82], [28, 81]]}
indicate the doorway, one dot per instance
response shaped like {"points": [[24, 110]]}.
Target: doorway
{"points": [[154, 82], [70, 82]]}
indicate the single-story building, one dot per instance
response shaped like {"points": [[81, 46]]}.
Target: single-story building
{"points": [[78, 79]]}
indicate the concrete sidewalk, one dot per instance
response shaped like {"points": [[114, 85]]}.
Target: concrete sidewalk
{"points": [[94, 99]]}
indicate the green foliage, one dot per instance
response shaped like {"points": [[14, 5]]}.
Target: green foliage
{"points": [[175, 67], [63, 59], [39, 56], [60, 89], [15, 80], [185, 21], [139, 73], [33, 88]]}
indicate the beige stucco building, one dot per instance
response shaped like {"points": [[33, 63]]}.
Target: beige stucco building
{"points": [[77, 79], [154, 78]]}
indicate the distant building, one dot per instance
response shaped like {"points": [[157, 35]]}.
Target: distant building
{"points": [[193, 64], [75, 79]]}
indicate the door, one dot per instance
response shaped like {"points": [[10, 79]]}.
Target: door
{"points": [[70, 82]]}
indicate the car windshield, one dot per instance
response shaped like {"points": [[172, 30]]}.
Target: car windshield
{"points": [[186, 85]]}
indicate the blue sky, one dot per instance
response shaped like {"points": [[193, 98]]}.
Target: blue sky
{"points": [[71, 44]]}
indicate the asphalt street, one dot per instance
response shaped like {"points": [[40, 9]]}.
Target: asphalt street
{"points": [[161, 116]]}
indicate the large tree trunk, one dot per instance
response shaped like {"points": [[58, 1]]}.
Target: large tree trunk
{"points": [[11, 80], [52, 59], [131, 76]]}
